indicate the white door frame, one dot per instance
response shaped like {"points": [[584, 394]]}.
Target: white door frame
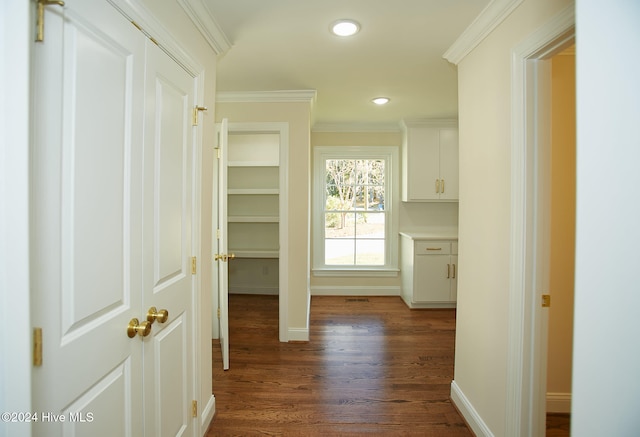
{"points": [[526, 366]]}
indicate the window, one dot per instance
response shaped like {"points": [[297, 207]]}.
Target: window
{"points": [[353, 209]]}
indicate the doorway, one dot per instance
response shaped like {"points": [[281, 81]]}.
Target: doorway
{"points": [[530, 224]]}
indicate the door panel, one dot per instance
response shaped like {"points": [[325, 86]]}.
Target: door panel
{"points": [[223, 269], [168, 282], [86, 210]]}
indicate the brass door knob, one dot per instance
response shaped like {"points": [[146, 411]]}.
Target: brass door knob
{"points": [[232, 256], [135, 327], [161, 316]]}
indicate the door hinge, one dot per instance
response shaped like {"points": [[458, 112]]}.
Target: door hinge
{"points": [[218, 234], [194, 408], [546, 300], [218, 152], [37, 347], [40, 16], [194, 264], [218, 312], [197, 109]]}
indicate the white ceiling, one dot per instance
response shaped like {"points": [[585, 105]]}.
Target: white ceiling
{"points": [[286, 45]]}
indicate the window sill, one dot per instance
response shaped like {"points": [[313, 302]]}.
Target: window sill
{"points": [[380, 272]]}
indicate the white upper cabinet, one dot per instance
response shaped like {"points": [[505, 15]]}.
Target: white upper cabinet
{"points": [[430, 161]]}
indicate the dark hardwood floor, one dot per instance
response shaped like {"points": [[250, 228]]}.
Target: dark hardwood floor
{"points": [[371, 367]]}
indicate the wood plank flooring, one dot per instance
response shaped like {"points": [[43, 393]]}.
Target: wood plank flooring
{"points": [[372, 366]]}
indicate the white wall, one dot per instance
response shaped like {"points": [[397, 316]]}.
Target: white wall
{"points": [[606, 381], [482, 332], [15, 324]]}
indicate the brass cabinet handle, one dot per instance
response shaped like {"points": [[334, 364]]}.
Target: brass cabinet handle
{"points": [[437, 185], [135, 327], [161, 316], [448, 271], [454, 270], [442, 186]]}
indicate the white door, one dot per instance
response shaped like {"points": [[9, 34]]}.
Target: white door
{"points": [[86, 221], [167, 245], [221, 256], [111, 228]]}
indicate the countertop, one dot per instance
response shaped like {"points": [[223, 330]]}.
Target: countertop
{"points": [[432, 234]]}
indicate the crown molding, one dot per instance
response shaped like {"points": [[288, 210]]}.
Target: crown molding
{"points": [[490, 17], [429, 122], [205, 22], [356, 127], [284, 96]]}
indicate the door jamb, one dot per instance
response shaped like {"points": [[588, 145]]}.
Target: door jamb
{"points": [[526, 363]]}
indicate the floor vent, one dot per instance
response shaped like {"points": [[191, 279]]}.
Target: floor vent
{"points": [[357, 299]]}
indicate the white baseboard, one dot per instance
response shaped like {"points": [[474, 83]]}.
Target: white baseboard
{"points": [[298, 334], [558, 402], [252, 289], [469, 413], [207, 415], [357, 290]]}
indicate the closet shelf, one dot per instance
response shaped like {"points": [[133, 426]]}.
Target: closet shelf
{"points": [[246, 191], [253, 163], [253, 219], [255, 253]]}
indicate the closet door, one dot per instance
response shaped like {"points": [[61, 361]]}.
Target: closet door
{"points": [[221, 256], [86, 221], [168, 283]]}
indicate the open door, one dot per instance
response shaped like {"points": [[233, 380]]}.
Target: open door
{"points": [[221, 254]]}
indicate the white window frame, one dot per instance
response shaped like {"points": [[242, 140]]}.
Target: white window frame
{"points": [[391, 156]]}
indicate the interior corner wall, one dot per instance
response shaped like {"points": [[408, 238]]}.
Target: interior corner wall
{"points": [[484, 95], [563, 229], [297, 114]]}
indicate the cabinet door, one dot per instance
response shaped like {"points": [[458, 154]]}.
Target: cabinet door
{"points": [[421, 153], [449, 163], [431, 281]]}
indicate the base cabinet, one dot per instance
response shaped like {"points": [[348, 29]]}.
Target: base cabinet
{"points": [[429, 272]]}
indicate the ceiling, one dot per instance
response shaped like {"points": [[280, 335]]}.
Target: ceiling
{"points": [[286, 45]]}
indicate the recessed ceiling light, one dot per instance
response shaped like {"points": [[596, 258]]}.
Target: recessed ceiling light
{"points": [[381, 100], [345, 27]]}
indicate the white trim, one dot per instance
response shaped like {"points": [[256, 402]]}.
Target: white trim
{"points": [[524, 390], [208, 412], [281, 128], [16, 42], [298, 334], [428, 122], [468, 412], [558, 402], [356, 127], [283, 96], [392, 169], [490, 18], [253, 289], [360, 273], [206, 23], [355, 290]]}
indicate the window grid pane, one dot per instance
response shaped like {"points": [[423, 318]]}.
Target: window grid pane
{"points": [[354, 238]]}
